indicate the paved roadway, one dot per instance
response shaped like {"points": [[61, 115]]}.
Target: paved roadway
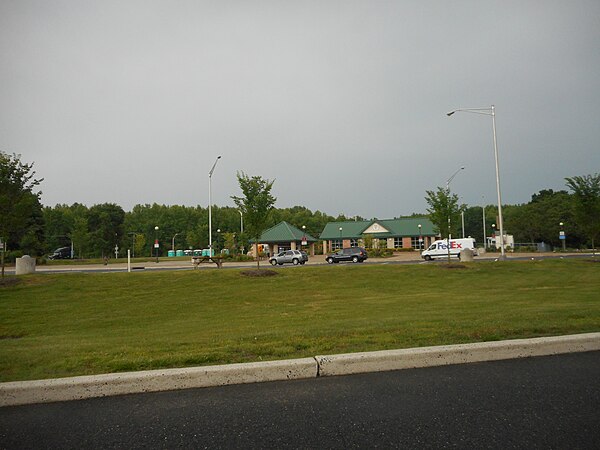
{"points": [[167, 264], [544, 402]]}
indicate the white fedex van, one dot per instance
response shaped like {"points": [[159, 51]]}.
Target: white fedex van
{"points": [[439, 249]]}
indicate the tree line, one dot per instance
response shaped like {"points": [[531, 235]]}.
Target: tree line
{"points": [[28, 227], [576, 213]]}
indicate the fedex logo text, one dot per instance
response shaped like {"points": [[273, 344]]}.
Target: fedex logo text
{"points": [[452, 245]]}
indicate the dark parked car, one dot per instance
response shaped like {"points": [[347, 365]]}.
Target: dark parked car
{"points": [[61, 253], [289, 256], [354, 254]]}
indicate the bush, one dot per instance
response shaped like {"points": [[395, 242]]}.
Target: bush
{"points": [[380, 252]]}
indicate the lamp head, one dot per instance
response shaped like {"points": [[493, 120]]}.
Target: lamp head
{"points": [[450, 113]]}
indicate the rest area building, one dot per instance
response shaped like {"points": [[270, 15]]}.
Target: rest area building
{"points": [[416, 233]]}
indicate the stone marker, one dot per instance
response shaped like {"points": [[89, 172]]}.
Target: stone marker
{"points": [[466, 255], [25, 265]]}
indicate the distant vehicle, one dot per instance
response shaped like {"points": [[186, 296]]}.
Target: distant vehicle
{"points": [[61, 253], [294, 257], [354, 254], [439, 249]]}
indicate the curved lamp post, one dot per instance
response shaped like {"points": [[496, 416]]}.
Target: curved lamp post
{"points": [[491, 111], [448, 195], [210, 204]]}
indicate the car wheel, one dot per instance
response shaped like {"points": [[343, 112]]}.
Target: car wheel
{"points": [[295, 261], [329, 260], [355, 259], [427, 258], [273, 262]]}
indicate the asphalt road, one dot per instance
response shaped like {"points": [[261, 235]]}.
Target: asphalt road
{"points": [[544, 402], [166, 265]]}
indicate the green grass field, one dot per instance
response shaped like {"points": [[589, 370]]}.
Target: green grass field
{"points": [[75, 324]]}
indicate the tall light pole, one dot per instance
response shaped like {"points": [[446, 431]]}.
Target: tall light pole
{"points": [[341, 241], [156, 241], [491, 111], [173, 242], [210, 205], [420, 237], [562, 237], [448, 195], [241, 222], [483, 213], [133, 235]]}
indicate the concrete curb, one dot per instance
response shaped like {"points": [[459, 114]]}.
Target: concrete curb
{"points": [[76, 388], [455, 354]]}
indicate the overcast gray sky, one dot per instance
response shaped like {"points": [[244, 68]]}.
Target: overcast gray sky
{"points": [[343, 103]]}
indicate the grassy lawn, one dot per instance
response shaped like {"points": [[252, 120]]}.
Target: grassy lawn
{"points": [[75, 324]]}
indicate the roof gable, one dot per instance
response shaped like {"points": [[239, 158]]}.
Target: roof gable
{"points": [[376, 227], [284, 232], [402, 227]]}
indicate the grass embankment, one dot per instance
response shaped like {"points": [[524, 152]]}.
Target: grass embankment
{"points": [[75, 324]]}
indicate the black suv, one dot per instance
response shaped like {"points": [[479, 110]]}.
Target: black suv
{"points": [[61, 253], [354, 254]]}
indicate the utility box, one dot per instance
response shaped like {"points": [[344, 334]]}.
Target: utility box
{"points": [[25, 265]]}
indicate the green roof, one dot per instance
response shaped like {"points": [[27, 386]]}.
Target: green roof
{"points": [[384, 228], [284, 232]]}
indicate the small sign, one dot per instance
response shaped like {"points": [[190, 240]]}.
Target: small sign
{"points": [[561, 233], [156, 243], [304, 240], [562, 237]]}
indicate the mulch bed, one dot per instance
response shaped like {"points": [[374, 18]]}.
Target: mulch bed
{"points": [[452, 266], [259, 273], [9, 281]]}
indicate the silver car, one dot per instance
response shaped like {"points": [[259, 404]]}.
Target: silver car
{"points": [[294, 257]]}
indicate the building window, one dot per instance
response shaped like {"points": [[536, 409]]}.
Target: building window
{"points": [[336, 244], [353, 242], [414, 242], [398, 242]]}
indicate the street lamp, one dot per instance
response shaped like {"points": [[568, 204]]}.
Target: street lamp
{"points": [[483, 213], [341, 242], [448, 197], [491, 111], [173, 242], [156, 241], [210, 204], [420, 237], [241, 222], [562, 237], [133, 235], [494, 234]]}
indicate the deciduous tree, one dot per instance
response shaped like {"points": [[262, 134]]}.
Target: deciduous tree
{"points": [[586, 190], [256, 205], [21, 219]]}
